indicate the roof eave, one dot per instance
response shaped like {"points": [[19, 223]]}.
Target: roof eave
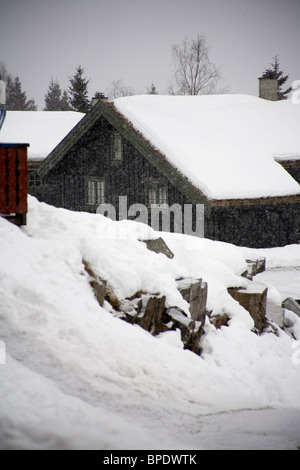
{"points": [[272, 200], [292, 163]]}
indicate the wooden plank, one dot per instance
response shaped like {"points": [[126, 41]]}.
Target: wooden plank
{"points": [[3, 202], [22, 180], [12, 181]]}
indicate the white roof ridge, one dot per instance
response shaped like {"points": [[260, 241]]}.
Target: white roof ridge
{"points": [[224, 144]]}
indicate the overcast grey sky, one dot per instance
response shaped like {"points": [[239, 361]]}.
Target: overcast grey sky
{"points": [[132, 39]]}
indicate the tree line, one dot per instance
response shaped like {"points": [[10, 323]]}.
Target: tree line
{"points": [[16, 99], [56, 99], [193, 74]]}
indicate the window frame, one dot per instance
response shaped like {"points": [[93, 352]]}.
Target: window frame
{"points": [[116, 147], [95, 191], [159, 189], [33, 180]]}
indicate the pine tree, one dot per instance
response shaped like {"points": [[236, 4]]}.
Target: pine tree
{"points": [[64, 102], [30, 105], [16, 99], [55, 100], [276, 73], [9, 82], [78, 91], [53, 97]]}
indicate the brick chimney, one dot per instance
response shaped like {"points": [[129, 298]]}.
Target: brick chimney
{"points": [[268, 89]]}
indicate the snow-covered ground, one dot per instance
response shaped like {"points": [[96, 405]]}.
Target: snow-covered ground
{"points": [[285, 280], [77, 377]]}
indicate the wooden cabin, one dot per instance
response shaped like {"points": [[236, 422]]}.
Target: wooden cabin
{"points": [[209, 151]]}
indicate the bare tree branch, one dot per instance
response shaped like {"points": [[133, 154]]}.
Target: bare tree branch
{"points": [[194, 73], [117, 89]]}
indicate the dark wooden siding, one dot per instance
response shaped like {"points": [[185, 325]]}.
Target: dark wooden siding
{"points": [[64, 184], [295, 172], [256, 226]]}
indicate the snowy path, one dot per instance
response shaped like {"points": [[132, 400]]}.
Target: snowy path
{"points": [[285, 280], [264, 429], [79, 415], [256, 429]]}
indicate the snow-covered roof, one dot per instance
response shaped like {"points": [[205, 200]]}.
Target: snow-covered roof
{"points": [[42, 130], [225, 145]]}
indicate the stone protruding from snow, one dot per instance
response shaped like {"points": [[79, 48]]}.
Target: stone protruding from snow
{"points": [[275, 313], [191, 330], [219, 320], [291, 304], [158, 245], [254, 267], [255, 302], [98, 285], [151, 313], [150, 317], [195, 293]]}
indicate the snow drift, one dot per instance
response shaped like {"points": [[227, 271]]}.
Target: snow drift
{"points": [[76, 377]]}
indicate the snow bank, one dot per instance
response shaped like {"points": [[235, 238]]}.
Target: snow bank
{"points": [[42, 130], [78, 377], [225, 145], [283, 257]]}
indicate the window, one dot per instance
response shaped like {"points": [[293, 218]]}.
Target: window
{"points": [[33, 180], [95, 191], [162, 195], [157, 192], [116, 147]]}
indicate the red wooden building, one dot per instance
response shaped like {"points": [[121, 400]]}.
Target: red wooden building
{"points": [[13, 182]]}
